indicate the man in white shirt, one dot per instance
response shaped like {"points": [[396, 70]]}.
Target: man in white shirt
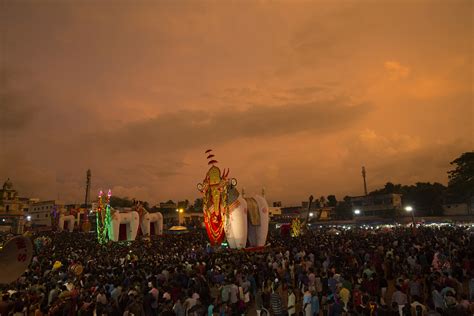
{"points": [[234, 290], [291, 302], [400, 298], [417, 305]]}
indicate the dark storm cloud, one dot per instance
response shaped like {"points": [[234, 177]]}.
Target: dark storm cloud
{"points": [[307, 91], [15, 114], [190, 128], [164, 170], [17, 109]]}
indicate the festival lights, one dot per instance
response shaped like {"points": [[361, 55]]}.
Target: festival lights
{"points": [[103, 218]]}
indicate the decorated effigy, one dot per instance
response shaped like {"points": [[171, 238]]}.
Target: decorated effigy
{"points": [[86, 225], [229, 215], [130, 220], [149, 220], [215, 202], [110, 220], [81, 217], [65, 222], [296, 227], [103, 217]]}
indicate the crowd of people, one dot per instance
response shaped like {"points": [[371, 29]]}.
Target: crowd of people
{"points": [[401, 271]]}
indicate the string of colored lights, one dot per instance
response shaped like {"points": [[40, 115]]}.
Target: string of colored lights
{"points": [[99, 221], [104, 218], [108, 216]]}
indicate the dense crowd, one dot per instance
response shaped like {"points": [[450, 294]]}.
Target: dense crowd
{"points": [[427, 271]]}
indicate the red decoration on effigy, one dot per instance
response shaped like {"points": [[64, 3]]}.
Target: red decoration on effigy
{"points": [[214, 228]]}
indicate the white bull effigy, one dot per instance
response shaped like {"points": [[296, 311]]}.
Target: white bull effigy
{"points": [[130, 219], [149, 219], [66, 221]]}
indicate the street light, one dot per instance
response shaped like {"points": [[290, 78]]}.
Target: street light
{"points": [[180, 212], [357, 212], [410, 209], [311, 214], [28, 218]]}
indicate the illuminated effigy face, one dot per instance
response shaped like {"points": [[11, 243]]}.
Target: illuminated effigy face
{"points": [[215, 180]]}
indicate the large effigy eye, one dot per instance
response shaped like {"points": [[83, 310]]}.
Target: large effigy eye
{"points": [[199, 186], [233, 181]]}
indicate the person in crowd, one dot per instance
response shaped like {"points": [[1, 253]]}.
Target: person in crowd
{"points": [[291, 302], [400, 298], [417, 308], [276, 301], [314, 304]]}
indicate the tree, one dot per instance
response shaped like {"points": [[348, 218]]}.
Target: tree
{"points": [[389, 188], [461, 178], [332, 201], [116, 201], [198, 204], [426, 197], [344, 209], [322, 201], [317, 204]]}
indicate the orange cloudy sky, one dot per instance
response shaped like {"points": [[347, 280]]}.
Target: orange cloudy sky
{"points": [[293, 96]]}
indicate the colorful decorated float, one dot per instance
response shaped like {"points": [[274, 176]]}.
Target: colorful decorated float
{"points": [[62, 219], [66, 222], [227, 214], [151, 224], [131, 220], [103, 217], [115, 225]]}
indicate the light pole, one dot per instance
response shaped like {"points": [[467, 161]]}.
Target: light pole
{"points": [[356, 213], [410, 209], [180, 212]]}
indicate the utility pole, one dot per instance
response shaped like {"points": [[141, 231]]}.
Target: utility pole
{"points": [[365, 183], [88, 188], [306, 222]]}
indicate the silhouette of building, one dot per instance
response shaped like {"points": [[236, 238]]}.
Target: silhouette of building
{"points": [[377, 205], [12, 209], [42, 212]]}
